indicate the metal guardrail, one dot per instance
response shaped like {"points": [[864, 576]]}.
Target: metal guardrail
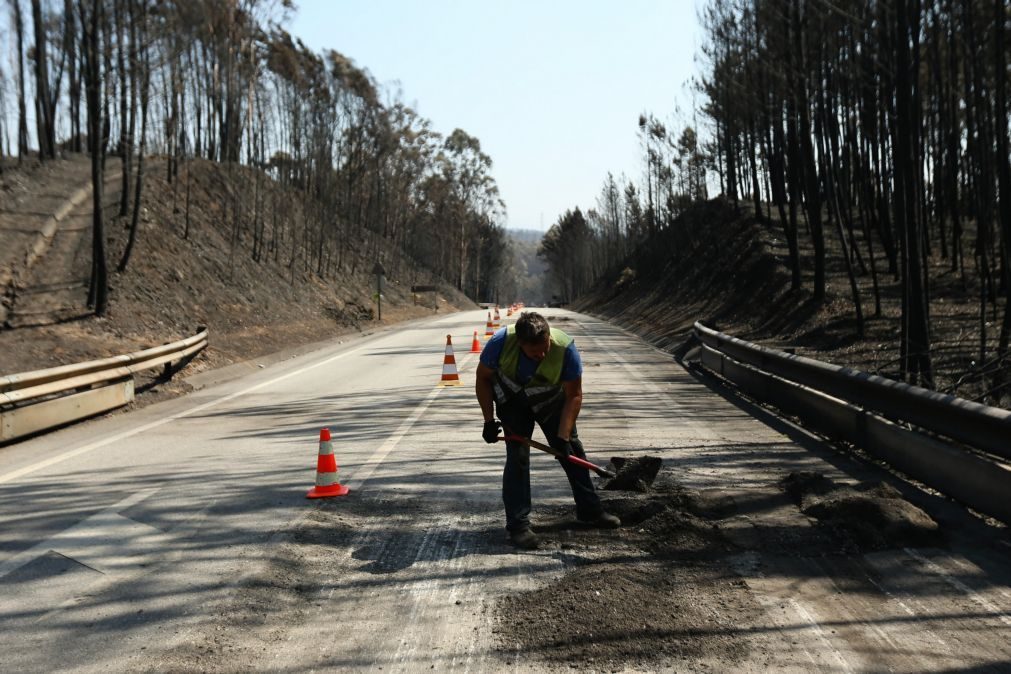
{"points": [[41, 399], [873, 412]]}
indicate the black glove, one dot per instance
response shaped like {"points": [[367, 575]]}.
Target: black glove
{"points": [[563, 447], [490, 432]]}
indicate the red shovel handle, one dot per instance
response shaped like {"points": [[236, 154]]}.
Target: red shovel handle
{"points": [[592, 466], [603, 472]]}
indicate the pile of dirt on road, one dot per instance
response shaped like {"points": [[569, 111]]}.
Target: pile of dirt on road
{"points": [[649, 615], [635, 474], [871, 517], [659, 592], [656, 593], [664, 590], [194, 266]]}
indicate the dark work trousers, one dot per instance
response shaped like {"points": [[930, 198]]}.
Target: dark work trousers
{"points": [[518, 419]]}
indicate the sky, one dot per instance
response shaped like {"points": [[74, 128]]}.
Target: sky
{"points": [[552, 89]]}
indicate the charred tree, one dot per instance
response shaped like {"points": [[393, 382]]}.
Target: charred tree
{"points": [[19, 29], [91, 25]]}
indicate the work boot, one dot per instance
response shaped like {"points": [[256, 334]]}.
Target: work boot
{"points": [[604, 521], [525, 539]]}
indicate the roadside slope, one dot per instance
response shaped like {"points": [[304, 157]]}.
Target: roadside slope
{"points": [[717, 266], [184, 275], [723, 266]]}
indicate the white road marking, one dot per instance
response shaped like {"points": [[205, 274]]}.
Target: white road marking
{"points": [[771, 601], [703, 430], [106, 542], [419, 592], [932, 636], [93, 541], [800, 610], [995, 610], [21, 472], [851, 617], [364, 472]]}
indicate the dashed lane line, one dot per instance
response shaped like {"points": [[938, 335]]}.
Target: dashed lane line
{"points": [[364, 472]]}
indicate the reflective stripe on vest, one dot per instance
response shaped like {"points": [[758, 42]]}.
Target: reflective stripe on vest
{"points": [[544, 388]]}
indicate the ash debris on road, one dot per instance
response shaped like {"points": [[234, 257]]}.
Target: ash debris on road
{"points": [[663, 592], [864, 517]]}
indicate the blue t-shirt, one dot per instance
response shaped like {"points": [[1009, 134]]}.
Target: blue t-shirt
{"points": [[572, 365]]}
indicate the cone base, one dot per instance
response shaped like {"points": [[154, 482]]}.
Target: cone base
{"points": [[327, 491], [454, 382]]}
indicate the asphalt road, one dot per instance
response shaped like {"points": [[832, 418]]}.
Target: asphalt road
{"points": [[177, 537]]}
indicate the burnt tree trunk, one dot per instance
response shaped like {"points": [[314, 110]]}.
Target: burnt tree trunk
{"points": [[914, 316], [90, 11], [19, 29], [44, 124], [145, 96]]}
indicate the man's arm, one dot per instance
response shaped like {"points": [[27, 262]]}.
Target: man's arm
{"points": [[483, 389], [570, 410]]}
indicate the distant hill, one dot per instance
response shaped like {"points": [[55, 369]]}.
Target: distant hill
{"points": [[526, 235]]}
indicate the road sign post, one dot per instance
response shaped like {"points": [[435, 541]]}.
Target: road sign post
{"points": [[379, 272]]}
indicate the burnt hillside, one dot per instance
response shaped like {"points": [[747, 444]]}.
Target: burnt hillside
{"points": [[714, 265], [723, 266], [220, 245]]}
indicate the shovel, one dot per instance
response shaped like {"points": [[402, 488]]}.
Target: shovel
{"points": [[603, 472]]}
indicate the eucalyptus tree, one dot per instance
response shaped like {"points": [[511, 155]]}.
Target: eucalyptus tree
{"points": [[46, 92], [140, 69], [474, 193], [410, 163], [19, 31], [71, 51], [90, 12], [492, 261], [609, 221]]}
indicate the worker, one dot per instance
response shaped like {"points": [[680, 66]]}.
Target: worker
{"points": [[531, 372]]}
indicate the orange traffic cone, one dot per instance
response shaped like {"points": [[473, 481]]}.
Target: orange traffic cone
{"points": [[326, 470], [475, 346], [489, 329], [450, 377], [498, 319]]}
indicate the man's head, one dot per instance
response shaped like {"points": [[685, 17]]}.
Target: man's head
{"points": [[534, 335]]}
